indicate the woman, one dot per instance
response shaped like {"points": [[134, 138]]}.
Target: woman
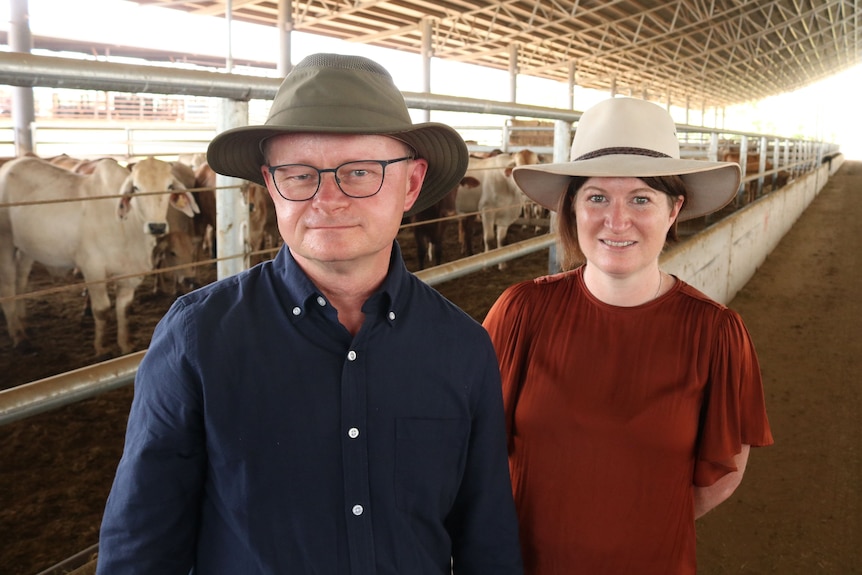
{"points": [[631, 398]]}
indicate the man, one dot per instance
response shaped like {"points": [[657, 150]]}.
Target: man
{"points": [[325, 412]]}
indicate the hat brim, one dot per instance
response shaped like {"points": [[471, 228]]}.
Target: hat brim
{"points": [[237, 152], [710, 185]]}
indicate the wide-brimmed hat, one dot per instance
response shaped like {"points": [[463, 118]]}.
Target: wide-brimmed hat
{"points": [[627, 137], [340, 94]]}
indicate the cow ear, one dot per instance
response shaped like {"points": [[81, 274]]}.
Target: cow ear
{"points": [[125, 205], [185, 202]]}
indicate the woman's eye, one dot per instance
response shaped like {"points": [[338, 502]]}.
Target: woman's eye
{"points": [[596, 198]]}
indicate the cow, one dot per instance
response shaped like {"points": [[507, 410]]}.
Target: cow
{"points": [[429, 225], [263, 229], [262, 222], [104, 238], [752, 166], [174, 253], [205, 221], [500, 201]]}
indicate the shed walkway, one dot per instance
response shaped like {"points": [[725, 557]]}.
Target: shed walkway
{"points": [[798, 509]]}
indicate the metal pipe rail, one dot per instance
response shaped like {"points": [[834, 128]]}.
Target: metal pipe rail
{"points": [[56, 391], [28, 70], [66, 388]]}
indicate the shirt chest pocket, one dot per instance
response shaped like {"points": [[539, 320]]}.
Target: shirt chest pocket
{"points": [[430, 455]]}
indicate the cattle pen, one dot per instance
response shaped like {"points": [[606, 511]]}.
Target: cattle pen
{"points": [[719, 256]]}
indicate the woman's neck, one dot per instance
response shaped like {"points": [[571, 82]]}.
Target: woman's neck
{"points": [[627, 291]]}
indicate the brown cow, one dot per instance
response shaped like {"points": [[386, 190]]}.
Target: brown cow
{"points": [[174, 253], [752, 167], [429, 235], [262, 227], [263, 231]]}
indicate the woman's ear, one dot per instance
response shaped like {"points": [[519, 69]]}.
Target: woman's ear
{"points": [[677, 208]]}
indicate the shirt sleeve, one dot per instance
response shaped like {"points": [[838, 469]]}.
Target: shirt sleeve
{"points": [[150, 520], [483, 522], [734, 409]]}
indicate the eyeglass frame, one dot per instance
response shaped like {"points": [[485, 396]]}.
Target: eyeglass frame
{"points": [[334, 171]]}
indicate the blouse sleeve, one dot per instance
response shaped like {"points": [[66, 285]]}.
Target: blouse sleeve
{"points": [[506, 326], [734, 410]]}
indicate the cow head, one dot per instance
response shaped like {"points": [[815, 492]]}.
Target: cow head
{"points": [[154, 187]]}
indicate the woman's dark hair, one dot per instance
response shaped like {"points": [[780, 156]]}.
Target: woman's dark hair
{"points": [[569, 254]]}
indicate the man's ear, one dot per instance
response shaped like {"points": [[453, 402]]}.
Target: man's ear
{"points": [[418, 168]]}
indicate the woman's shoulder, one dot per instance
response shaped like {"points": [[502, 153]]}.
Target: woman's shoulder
{"points": [[722, 314], [543, 286], [697, 296], [541, 292]]}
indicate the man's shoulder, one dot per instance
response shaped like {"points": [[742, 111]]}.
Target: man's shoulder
{"points": [[225, 291], [431, 302]]}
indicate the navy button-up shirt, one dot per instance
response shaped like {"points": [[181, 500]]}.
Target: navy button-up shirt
{"points": [[264, 438]]}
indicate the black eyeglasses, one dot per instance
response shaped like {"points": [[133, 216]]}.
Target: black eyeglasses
{"points": [[358, 179]]}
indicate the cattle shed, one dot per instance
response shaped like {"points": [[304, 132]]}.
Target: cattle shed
{"points": [[684, 53]]}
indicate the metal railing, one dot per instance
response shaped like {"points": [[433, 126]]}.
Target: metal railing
{"points": [[28, 70]]}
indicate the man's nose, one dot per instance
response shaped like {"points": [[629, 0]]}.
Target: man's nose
{"points": [[328, 190]]}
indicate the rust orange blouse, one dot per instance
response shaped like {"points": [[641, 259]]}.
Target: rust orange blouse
{"points": [[613, 414]]}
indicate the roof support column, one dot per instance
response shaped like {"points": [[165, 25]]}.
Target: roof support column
{"points": [[513, 72], [573, 71], [228, 19], [427, 52], [285, 29], [23, 109]]}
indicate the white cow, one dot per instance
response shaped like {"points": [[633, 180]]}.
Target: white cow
{"points": [[500, 200], [103, 238]]}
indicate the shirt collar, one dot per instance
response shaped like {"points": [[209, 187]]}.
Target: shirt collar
{"points": [[302, 292]]}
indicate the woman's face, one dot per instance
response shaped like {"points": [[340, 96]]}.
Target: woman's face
{"points": [[622, 224]]}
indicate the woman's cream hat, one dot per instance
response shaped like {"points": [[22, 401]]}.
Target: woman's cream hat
{"points": [[627, 137]]}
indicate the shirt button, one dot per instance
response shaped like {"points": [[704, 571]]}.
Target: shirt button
{"points": [[357, 510], [353, 433], [320, 301], [392, 315], [297, 310], [351, 355]]}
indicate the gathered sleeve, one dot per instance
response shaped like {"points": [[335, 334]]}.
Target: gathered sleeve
{"points": [[505, 323], [734, 409]]}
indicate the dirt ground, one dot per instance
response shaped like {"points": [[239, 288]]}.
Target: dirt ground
{"points": [[796, 513]]}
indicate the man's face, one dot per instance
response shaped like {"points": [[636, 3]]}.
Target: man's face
{"points": [[332, 229]]}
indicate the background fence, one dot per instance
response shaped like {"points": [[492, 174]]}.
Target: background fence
{"points": [[131, 111]]}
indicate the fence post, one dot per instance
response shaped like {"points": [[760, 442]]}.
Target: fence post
{"points": [[232, 246]]}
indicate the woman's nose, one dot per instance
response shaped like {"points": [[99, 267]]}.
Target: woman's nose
{"points": [[617, 216]]}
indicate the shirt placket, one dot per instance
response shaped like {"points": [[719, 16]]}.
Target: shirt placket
{"points": [[354, 449]]}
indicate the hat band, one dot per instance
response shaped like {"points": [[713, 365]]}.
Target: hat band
{"points": [[627, 151]]}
